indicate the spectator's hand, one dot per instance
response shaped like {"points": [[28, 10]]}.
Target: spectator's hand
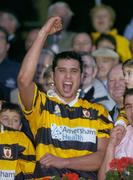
{"points": [[117, 135], [49, 160], [53, 25]]}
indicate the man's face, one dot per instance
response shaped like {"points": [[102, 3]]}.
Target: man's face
{"points": [[128, 75], [116, 83], [4, 46], [31, 38], [67, 77], [89, 71], [129, 108], [104, 65], [10, 119], [8, 22], [44, 63], [102, 21], [82, 43]]}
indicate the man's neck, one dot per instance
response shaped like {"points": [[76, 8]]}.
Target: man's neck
{"points": [[70, 101]]}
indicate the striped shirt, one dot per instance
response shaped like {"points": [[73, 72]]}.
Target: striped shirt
{"points": [[66, 131], [17, 155]]}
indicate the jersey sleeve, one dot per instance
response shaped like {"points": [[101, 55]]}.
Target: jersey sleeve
{"points": [[105, 123], [26, 161], [33, 115], [122, 119]]}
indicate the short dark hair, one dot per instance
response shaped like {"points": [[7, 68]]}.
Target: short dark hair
{"points": [[4, 31], [128, 92], [128, 63], [107, 37], [67, 55], [11, 107]]}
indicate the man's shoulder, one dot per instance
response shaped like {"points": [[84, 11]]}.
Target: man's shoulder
{"points": [[7, 62], [99, 88], [88, 104]]}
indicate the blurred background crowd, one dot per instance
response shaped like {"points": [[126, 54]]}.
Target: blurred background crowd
{"points": [[101, 31]]}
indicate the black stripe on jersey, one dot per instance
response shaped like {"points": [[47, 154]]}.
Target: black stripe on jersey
{"points": [[19, 176], [104, 119], [27, 157], [67, 111], [44, 136], [41, 172], [10, 151], [37, 93], [9, 129], [106, 131], [22, 176], [28, 176], [27, 113]]}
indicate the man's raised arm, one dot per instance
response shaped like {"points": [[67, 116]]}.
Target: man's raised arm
{"points": [[28, 68]]}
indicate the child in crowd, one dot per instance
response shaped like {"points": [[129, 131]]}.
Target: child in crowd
{"points": [[10, 116], [106, 41], [17, 154], [128, 73]]}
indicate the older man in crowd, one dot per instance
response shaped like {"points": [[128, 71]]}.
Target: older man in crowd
{"points": [[116, 86], [92, 89], [106, 59]]}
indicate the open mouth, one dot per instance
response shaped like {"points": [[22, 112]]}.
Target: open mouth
{"points": [[67, 86]]}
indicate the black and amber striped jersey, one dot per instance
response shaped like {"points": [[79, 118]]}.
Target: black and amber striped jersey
{"points": [[17, 155], [66, 131], [122, 118]]}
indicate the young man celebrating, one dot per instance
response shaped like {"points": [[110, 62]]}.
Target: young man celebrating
{"points": [[71, 134]]}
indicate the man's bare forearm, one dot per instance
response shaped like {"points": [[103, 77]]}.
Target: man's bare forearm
{"points": [[31, 59], [110, 152], [90, 162]]}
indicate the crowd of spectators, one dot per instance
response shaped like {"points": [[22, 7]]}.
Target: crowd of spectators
{"points": [[65, 97]]}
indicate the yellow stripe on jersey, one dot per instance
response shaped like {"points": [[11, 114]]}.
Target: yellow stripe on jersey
{"points": [[122, 117], [69, 153]]}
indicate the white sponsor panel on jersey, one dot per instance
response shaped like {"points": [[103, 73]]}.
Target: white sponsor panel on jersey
{"points": [[7, 174], [65, 133]]}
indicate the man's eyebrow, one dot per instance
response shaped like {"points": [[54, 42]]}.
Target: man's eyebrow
{"points": [[128, 104], [60, 67]]}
